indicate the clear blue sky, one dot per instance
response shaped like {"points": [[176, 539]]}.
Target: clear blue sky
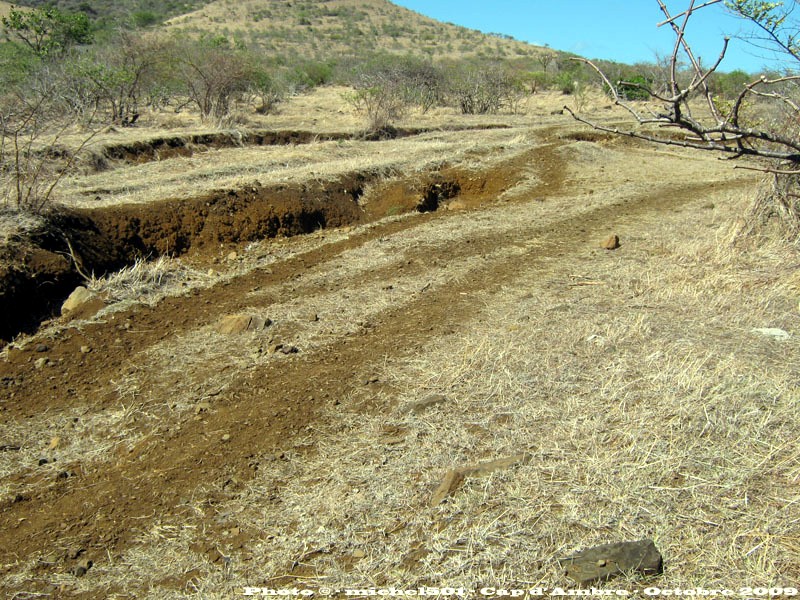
{"points": [[621, 30]]}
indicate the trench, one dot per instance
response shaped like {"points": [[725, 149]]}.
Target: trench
{"points": [[164, 148], [39, 272]]}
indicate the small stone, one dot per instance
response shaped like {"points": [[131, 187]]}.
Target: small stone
{"points": [[610, 243], [233, 255], [773, 332], [42, 348], [202, 407], [240, 323], [79, 296], [226, 437], [313, 317], [85, 349], [359, 554], [41, 363], [289, 349], [82, 568]]}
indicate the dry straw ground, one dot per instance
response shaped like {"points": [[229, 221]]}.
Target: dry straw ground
{"points": [[635, 382]]}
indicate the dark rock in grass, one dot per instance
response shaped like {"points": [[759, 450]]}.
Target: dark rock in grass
{"points": [[610, 560], [82, 568]]}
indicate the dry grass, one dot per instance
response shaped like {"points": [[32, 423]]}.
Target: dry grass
{"points": [[15, 223], [634, 380], [342, 27], [236, 168], [650, 409]]}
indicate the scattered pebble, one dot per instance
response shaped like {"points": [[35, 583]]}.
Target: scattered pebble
{"points": [[42, 348], [82, 568], [773, 332], [41, 363], [85, 349], [610, 243]]}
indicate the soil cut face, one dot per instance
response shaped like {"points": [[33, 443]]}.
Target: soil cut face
{"points": [[186, 460], [41, 270]]}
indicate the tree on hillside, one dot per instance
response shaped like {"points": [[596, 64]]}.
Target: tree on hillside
{"points": [[212, 74], [761, 121], [48, 31], [117, 75]]}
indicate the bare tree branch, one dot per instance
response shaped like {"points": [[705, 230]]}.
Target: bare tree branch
{"points": [[724, 128]]}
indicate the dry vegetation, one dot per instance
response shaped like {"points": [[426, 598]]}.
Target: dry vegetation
{"points": [[636, 382], [323, 29]]}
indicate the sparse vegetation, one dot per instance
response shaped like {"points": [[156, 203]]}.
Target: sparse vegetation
{"points": [[485, 89], [279, 361]]}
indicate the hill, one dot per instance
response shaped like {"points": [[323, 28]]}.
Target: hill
{"points": [[5, 7], [144, 12], [320, 28]]}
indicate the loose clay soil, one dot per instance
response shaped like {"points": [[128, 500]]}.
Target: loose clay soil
{"points": [[186, 461]]}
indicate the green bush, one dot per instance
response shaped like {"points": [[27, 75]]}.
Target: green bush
{"points": [[635, 88]]}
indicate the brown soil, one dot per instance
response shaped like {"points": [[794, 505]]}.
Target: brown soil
{"points": [[99, 510], [41, 270]]}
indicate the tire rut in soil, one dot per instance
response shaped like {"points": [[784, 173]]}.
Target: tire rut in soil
{"points": [[192, 454], [46, 267]]}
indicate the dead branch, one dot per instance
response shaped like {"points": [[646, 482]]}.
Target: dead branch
{"points": [[728, 133]]}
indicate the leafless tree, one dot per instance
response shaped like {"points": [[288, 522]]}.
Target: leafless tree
{"points": [[762, 121], [708, 124], [32, 162]]}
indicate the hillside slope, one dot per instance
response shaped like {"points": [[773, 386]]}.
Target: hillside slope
{"points": [[112, 11], [315, 28]]}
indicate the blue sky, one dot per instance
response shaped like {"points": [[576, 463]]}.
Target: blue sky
{"points": [[612, 29]]}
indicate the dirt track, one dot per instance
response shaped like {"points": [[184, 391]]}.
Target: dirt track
{"points": [[188, 416]]}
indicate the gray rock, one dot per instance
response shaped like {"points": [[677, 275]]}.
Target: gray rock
{"points": [[773, 332], [610, 560]]}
